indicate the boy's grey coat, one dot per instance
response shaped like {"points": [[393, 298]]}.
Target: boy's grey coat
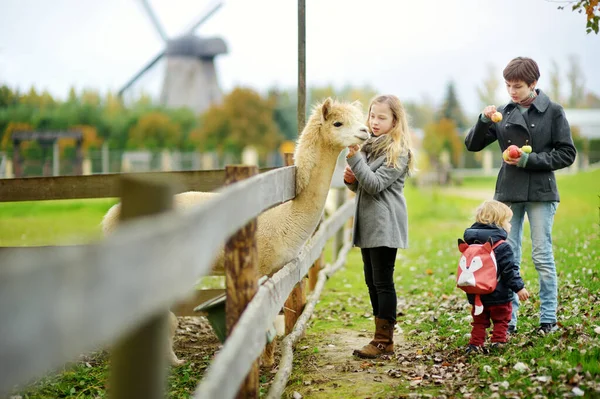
{"points": [[545, 128], [380, 217]]}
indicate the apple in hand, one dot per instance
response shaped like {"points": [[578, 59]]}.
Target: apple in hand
{"points": [[527, 149], [513, 151], [505, 155], [496, 117]]}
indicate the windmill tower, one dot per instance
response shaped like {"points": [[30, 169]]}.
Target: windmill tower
{"points": [[190, 78]]}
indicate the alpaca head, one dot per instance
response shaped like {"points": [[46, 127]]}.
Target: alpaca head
{"points": [[340, 124]]}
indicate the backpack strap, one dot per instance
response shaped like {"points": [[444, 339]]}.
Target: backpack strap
{"points": [[497, 243]]}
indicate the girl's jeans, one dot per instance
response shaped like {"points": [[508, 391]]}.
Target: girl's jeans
{"points": [[541, 219], [499, 314], [379, 276]]}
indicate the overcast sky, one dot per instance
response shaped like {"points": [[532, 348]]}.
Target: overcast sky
{"points": [[408, 48]]}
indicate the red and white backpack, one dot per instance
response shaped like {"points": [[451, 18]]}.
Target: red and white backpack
{"points": [[477, 270]]}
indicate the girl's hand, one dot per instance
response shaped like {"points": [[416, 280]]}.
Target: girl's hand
{"points": [[489, 111], [353, 149], [523, 294], [349, 175]]}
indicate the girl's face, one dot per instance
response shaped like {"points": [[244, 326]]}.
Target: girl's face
{"points": [[518, 90], [381, 119]]}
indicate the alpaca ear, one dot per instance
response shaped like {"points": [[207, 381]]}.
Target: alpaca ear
{"points": [[357, 104], [462, 246], [326, 108]]}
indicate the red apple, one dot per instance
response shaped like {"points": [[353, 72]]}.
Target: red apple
{"points": [[513, 151]]}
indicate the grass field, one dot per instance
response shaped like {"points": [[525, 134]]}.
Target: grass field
{"points": [[434, 314]]}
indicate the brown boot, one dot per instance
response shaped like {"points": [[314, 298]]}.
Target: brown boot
{"points": [[382, 344]]}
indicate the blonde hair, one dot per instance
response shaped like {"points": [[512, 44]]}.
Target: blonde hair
{"points": [[494, 212], [397, 141]]}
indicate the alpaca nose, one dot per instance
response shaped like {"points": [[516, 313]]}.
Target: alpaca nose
{"points": [[364, 130]]}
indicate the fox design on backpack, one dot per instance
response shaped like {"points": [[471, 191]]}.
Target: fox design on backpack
{"points": [[477, 270]]}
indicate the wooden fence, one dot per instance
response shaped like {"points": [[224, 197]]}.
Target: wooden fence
{"points": [[59, 302]]}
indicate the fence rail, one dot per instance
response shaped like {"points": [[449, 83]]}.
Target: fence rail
{"points": [[58, 302]]}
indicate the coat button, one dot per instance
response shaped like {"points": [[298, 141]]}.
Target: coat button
{"points": [[533, 125]]}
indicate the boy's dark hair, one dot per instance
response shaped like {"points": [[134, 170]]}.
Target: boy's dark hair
{"points": [[522, 68]]}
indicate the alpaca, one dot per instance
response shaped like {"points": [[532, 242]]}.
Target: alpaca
{"points": [[284, 229]]}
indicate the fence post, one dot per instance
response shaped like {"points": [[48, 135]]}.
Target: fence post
{"points": [[338, 239], [295, 302], [241, 275], [139, 359]]}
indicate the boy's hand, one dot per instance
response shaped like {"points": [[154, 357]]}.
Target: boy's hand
{"points": [[349, 175], [489, 111], [523, 295]]}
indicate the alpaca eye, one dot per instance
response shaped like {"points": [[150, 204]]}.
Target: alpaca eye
{"points": [[337, 124]]}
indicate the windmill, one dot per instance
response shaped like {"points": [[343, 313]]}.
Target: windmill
{"points": [[190, 78]]}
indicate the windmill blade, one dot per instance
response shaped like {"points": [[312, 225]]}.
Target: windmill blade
{"points": [[154, 20], [204, 17], [141, 72]]}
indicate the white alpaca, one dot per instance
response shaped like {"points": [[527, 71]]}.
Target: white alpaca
{"points": [[283, 230]]}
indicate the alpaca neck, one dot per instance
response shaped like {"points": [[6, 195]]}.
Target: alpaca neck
{"points": [[315, 167]]}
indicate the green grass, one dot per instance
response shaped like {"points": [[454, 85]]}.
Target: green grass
{"points": [[434, 313], [51, 222]]}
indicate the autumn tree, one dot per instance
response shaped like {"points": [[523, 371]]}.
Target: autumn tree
{"points": [[154, 131], [243, 119], [555, 93], [443, 136], [592, 13]]}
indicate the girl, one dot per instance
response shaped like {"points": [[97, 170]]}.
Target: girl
{"points": [[526, 182], [492, 221], [376, 174]]}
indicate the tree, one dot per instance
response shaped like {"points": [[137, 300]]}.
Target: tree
{"points": [[576, 81], [592, 12], [243, 119], [487, 93], [555, 82], [451, 109], [442, 136], [154, 131]]}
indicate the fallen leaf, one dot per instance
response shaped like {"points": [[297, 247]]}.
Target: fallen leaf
{"points": [[296, 395], [578, 392], [521, 367]]}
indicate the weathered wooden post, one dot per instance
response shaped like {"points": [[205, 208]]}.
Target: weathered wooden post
{"points": [[241, 275], [297, 299], [139, 360], [338, 239]]}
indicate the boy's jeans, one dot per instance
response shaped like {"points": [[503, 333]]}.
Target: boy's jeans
{"points": [[541, 219]]}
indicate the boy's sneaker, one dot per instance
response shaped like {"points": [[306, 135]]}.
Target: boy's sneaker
{"points": [[474, 349], [512, 330], [547, 328]]}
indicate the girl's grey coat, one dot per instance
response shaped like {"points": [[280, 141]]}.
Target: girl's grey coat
{"points": [[380, 218]]}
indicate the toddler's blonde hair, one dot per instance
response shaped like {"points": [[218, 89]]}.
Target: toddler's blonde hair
{"points": [[494, 212]]}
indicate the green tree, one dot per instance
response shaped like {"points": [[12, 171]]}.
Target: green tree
{"points": [[443, 136], [451, 109]]}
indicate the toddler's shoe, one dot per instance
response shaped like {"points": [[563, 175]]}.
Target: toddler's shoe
{"points": [[511, 330], [497, 346], [475, 349], [547, 328]]}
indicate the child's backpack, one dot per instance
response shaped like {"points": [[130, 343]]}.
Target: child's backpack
{"points": [[477, 270]]}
